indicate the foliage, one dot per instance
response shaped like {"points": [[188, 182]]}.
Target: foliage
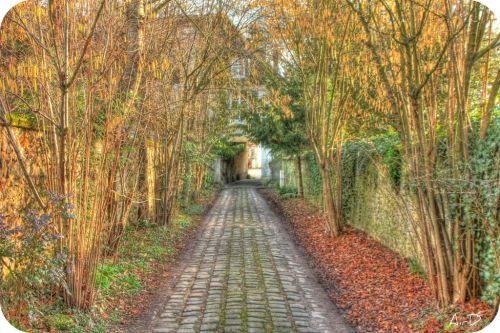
{"points": [[277, 122], [191, 152], [61, 321], [312, 182], [20, 121], [119, 275], [357, 156], [184, 222], [416, 268], [287, 192], [482, 207], [228, 150], [388, 146], [361, 83], [90, 322], [210, 185], [33, 274], [194, 209]]}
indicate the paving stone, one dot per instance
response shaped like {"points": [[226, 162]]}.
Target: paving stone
{"points": [[245, 274]]}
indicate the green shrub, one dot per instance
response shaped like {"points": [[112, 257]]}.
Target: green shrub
{"points": [[228, 150], [119, 277], [61, 321], [130, 283], [144, 223], [194, 209], [416, 268], [155, 252], [108, 273], [287, 191], [37, 274], [389, 148], [88, 322], [289, 195], [184, 222]]}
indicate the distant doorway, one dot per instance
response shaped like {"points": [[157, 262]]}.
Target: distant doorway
{"points": [[254, 161]]}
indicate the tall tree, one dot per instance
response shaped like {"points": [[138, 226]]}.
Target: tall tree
{"points": [[277, 120], [318, 38], [426, 81]]}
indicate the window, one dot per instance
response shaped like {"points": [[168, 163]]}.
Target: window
{"points": [[238, 69]]}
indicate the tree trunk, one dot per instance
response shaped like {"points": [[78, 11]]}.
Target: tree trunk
{"points": [[189, 179], [118, 229], [133, 68], [333, 224], [486, 117], [300, 180], [171, 170], [142, 209], [199, 179]]}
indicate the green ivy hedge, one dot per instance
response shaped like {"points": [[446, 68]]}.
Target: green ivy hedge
{"points": [[478, 198]]}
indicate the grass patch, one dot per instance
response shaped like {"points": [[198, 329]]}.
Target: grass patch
{"points": [[183, 222], [118, 277], [56, 317], [91, 322], [194, 209], [416, 268], [144, 246], [141, 250]]}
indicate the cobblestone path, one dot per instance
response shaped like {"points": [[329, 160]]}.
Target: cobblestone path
{"points": [[245, 275]]}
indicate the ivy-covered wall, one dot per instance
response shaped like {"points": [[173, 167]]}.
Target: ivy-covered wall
{"points": [[313, 188], [377, 199], [370, 201]]}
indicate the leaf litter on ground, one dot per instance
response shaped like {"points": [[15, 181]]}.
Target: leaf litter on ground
{"points": [[371, 283]]}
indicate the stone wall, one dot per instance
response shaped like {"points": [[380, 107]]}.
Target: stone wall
{"points": [[377, 208], [373, 204], [286, 170]]}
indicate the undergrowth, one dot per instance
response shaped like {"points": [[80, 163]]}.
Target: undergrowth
{"points": [[145, 248]]}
